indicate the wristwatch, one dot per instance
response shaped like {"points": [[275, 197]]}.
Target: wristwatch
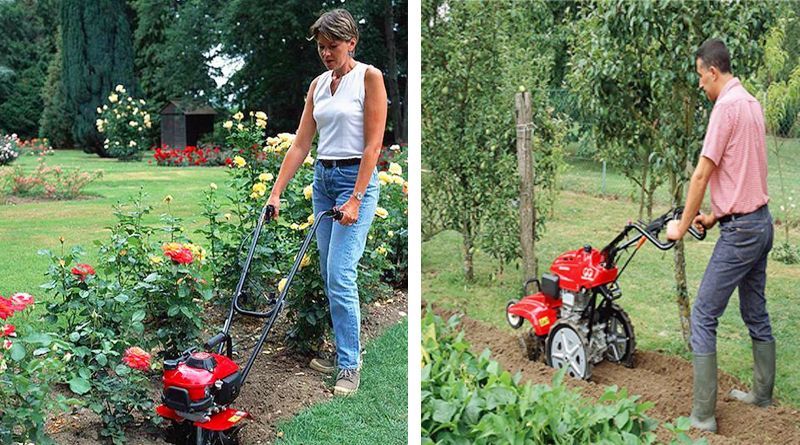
{"points": [[359, 196]]}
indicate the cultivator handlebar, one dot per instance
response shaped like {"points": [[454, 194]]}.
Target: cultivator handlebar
{"points": [[223, 339], [648, 232]]}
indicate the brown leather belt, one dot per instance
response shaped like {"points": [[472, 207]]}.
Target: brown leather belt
{"points": [[328, 163]]}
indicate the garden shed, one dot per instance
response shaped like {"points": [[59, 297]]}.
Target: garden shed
{"points": [[184, 121]]}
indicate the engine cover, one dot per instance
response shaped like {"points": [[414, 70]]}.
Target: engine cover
{"points": [[199, 381]]}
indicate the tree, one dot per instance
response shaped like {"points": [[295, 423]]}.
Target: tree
{"points": [[638, 59], [97, 56], [270, 37], [468, 87], [24, 55], [55, 122]]}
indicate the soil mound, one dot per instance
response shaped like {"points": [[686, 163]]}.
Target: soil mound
{"points": [[659, 378]]}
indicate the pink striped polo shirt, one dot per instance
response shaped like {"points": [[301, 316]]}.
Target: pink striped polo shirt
{"points": [[736, 143]]}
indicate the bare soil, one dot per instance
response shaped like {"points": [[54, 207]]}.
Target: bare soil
{"points": [[279, 386], [662, 379]]}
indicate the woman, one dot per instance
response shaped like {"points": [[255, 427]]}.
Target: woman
{"points": [[347, 105]]}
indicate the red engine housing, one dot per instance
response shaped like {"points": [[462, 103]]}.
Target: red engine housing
{"points": [[199, 381], [576, 270], [579, 269]]}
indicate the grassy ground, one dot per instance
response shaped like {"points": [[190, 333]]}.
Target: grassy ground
{"points": [[376, 414], [26, 228], [583, 216]]}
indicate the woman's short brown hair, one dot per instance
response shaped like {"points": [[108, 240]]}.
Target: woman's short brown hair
{"points": [[337, 24]]}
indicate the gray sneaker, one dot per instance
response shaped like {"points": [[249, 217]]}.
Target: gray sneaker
{"points": [[347, 382], [323, 365]]}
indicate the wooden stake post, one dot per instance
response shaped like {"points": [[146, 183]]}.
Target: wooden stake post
{"points": [[527, 208]]}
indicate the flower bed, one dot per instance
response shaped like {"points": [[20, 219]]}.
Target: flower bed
{"points": [[47, 182], [191, 156], [35, 147]]}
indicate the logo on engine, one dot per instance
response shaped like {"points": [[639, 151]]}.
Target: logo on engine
{"points": [[544, 321], [588, 273]]}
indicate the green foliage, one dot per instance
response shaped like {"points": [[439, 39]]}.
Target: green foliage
{"points": [[118, 393], [96, 38], [786, 253], [55, 122], [172, 42], [124, 121], [468, 399], [26, 45], [468, 89], [29, 367]]}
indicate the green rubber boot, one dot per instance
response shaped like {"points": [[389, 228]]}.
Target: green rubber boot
{"points": [[704, 402], [763, 376]]}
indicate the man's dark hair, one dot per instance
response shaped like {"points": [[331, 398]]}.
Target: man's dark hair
{"points": [[714, 53]]}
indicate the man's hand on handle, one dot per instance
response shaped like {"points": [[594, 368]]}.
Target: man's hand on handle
{"points": [[350, 211], [275, 202]]}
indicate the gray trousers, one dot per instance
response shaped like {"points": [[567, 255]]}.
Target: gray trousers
{"points": [[739, 260]]}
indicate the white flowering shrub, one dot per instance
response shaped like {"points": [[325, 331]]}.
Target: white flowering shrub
{"points": [[124, 120], [9, 148]]}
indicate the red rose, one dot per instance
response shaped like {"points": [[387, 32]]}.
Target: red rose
{"points": [[82, 270], [137, 358], [180, 256], [8, 331], [20, 301]]}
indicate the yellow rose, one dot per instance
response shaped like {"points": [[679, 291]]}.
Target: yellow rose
{"points": [[381, 213], [119, 89], [239, 161], [281, 284], [310, 219], [295, 226], [113, 98], [265, 177], [260, 188], [390, 234], [308, 160], [381, 250], [273, 141], [395, 169], [254, 195], [261, 124], [240, 127], [308, 191], [227, 125], [398, 180], [238, 116], [261, 115], [384, 177], [286, 137]]}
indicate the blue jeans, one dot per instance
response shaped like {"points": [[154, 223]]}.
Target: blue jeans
{"points": [[739, 260], [340, 250]]}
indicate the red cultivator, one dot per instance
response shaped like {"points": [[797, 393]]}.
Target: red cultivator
{"points": [[570, 329], [199, 387]]}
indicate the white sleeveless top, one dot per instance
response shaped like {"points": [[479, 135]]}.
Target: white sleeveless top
{"points": [[340, 116]]}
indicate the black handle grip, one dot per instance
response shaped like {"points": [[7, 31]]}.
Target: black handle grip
{"points": [[698, 234], [337, 214], [216, 340]]}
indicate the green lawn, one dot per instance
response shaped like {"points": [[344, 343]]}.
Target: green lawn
{"points": [[583, 216], [26, 228], [376, 414]]}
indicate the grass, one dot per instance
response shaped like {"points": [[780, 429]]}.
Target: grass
{"points": [[376, 414], [583, 216], [26, 228]]}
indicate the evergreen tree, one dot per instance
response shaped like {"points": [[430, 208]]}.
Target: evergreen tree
{"points": [[24, 56], [97, 55], [56, 120]]}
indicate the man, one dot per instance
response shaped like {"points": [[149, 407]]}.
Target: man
{"points": [[734, 162]]}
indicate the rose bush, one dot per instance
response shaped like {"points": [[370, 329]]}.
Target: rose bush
{"points": [[30, 363], [49, 182], [35, 147], [125, 121]]}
